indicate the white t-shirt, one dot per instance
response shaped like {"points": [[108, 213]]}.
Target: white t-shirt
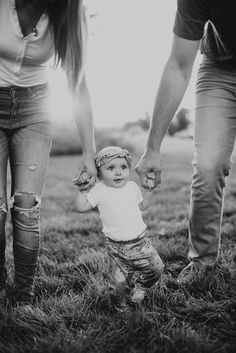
{"points": [[23, 60], [119, 210]]}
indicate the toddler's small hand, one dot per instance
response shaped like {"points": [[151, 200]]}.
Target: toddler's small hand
{"points": [[82, 180], [150, 181]]}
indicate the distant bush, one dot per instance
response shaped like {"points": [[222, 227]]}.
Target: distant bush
{"points": [[144, 122], [66, 140], [180, 122], [113, 137]]}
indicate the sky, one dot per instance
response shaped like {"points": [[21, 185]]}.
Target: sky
{"points": [[129, 42]]}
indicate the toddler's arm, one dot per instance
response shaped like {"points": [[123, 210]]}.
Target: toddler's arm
{"points": [[82, 203], [146, 200]]}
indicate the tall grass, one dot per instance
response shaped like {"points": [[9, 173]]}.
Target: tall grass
{"points": [[72, 311]]}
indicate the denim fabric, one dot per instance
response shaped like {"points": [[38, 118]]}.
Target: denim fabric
{"points": [[214, 135], [128, 259], [25, 142]]}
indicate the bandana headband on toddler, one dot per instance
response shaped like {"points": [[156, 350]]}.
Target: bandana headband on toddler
{"points": [[108, 153]]}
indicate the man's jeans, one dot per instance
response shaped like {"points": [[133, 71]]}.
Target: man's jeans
{"points": [[25, 141], [214, 135]]}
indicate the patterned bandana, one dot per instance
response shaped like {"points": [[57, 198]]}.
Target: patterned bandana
{"points": [[108, 153]]}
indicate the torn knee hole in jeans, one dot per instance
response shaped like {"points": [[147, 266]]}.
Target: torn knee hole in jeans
{"points": [[32, 167], [32, 212]]}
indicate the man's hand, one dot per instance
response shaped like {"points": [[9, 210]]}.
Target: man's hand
{"points": [[87, 172], [149, 170]]}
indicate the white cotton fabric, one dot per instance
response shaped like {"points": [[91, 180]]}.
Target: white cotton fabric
{"points": [[119, 210], [23, 60]]}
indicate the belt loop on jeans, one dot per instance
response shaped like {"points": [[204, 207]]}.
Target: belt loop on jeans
{"points": [[30, 91], [15, 89]]}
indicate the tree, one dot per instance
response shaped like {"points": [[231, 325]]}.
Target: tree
{"points": [[180, 122], [144, 122]]}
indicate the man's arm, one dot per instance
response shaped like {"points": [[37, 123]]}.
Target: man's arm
{"points": [[174, 81]]}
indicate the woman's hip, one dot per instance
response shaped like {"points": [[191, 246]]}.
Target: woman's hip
{"points": [[21, 106]]}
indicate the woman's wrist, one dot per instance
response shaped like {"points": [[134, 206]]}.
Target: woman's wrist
{"points": [[89, 152]]}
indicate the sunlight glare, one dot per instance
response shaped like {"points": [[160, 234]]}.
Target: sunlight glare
{"points": [[60, 104], [129, 42]]}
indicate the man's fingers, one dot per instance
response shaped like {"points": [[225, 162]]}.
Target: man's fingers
{"points": [[143, 180], [151, 180], [151, 175], [158, 178]]}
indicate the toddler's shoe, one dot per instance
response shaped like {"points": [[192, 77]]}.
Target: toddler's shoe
{"points": [[137, 295]]}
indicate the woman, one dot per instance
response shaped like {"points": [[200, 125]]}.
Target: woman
{"points": [[31, 33]]}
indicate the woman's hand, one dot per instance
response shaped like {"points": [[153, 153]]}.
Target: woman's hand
{"points": [[86, 175]]}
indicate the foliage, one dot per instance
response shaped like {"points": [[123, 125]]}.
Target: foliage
{"points": [[180, 122], [72, 312], [143, 123], [112, 137], [66, 140]]}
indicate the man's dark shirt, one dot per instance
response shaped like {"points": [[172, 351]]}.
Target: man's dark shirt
{"points": [[211, 21]]}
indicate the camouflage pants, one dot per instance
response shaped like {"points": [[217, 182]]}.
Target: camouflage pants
{"points": [[134, 262]]}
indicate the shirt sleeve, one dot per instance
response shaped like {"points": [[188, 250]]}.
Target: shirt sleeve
{"points": [[92, 197], [138, 193], [190, 19]]}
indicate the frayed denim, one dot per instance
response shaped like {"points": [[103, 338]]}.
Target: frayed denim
{"points": [[25, 142]]}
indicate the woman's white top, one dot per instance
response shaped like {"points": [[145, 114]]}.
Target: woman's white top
{"points": [[23, 60], [119, 210]]}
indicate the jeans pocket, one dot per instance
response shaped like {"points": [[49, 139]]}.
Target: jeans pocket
{"points": [[39, 93]]}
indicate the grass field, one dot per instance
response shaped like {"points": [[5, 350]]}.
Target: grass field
{"points": [[72, 312]]}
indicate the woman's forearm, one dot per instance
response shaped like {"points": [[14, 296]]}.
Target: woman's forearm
{"points": [[84, 118]]}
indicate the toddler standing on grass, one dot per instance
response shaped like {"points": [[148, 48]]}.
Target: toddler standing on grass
{"points": [[120, 203]]}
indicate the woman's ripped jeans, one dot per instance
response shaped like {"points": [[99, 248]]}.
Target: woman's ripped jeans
{"points": [[25, 142]]}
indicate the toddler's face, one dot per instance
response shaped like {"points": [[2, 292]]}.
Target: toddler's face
{"points": [[115, 173]]}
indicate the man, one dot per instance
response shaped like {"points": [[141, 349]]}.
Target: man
{"points": [[210, 25]]}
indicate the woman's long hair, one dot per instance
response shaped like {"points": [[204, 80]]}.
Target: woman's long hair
{"points": [[68, 19]]}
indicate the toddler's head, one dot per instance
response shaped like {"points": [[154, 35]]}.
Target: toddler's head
{"points": [[113, 164]]}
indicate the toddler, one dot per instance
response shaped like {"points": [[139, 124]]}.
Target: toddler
{"points": [[120, 203]]}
